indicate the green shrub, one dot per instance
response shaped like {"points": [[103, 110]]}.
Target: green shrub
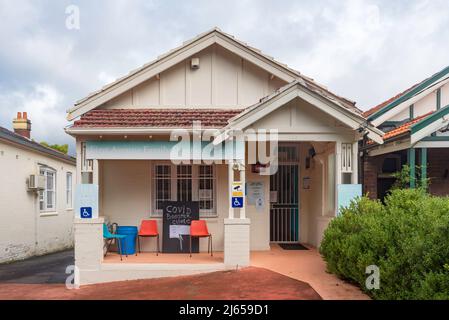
{"points": [[407, 238]]}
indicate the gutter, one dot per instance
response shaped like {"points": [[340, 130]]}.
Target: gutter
{"points": [[130, 131]]}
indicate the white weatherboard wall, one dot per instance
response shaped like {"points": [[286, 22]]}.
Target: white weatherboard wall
{"points": [[425, 105], [24, 230], [223, 80]]}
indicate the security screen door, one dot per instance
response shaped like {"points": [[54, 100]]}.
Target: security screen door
{"points": [[284, 217]]}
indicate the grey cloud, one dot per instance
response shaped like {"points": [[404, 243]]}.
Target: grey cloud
{"points": [[364, 50]]}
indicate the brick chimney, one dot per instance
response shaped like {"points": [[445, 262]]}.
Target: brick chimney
{"points": [[22, 125]]}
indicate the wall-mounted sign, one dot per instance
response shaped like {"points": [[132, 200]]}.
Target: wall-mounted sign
{"points": [[306, 183], [86, 213], [237, 202], [237, 194], [256, 194], [86, 201], [237, 189]]}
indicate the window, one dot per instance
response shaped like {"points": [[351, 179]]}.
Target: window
{"points": [[162, 185], [346, 157], [69, 193], [206, 192], [185, 183], [47, 197], [391, 164]]}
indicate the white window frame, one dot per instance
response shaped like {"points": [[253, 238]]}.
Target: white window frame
{"points": [[204, 213], [46, 171], [346, 158], [69, 190]]}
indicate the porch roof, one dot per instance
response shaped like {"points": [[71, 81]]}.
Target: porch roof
{"points": [[156, 118]]}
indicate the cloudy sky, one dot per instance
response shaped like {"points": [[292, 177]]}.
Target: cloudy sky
{"points": [[364, 50]]}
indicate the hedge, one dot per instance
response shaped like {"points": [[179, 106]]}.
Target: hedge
{"points": [[407, 238]]}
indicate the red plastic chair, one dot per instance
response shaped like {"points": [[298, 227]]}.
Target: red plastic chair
{"points": [[148, 229], [198, 229]]}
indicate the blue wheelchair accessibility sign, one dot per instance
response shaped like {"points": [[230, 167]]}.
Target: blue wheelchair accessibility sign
{"points": [[237, 202], [86, 212]]}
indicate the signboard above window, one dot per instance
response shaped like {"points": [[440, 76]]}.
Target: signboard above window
{"points": [[164, 150]]}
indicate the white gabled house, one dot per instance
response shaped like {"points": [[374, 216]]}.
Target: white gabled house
{"points": [[123, 141], [36, 195]]}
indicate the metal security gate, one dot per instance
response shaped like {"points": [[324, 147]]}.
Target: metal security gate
{"points": [[284, 211]]}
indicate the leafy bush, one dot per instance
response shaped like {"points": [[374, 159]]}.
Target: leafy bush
{"points": [[407, 238]]}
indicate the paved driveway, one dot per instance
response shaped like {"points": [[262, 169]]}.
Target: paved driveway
{"points": [[38, 270]]}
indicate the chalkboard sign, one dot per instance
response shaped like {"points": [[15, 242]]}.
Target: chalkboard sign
{"points": [[177, 216]]}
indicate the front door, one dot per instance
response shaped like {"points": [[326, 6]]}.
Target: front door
{"points": [[284, 211]]}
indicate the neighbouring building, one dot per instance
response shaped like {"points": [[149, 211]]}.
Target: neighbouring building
{"points": [[416, 129], [36, 199], [123, 145]]}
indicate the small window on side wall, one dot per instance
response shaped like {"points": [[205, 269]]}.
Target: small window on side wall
{"points": [[391, 164], [47, 196], [69, 190]]}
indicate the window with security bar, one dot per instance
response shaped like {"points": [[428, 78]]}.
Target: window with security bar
{"points": [[185, 183], [162, 185]]}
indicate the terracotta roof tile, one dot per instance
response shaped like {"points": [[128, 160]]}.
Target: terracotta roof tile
{"points": [[157, 118]]}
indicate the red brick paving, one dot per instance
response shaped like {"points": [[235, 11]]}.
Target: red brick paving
{"points": [[247, 284]]}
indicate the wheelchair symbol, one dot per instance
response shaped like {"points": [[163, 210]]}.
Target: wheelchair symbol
{"points": [[237, 202], [86, 212]]}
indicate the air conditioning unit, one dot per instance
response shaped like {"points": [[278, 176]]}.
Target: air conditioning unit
{"points": [[36, 182]]}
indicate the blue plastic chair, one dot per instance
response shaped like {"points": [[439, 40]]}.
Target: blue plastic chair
{"points": [[110, 237]]}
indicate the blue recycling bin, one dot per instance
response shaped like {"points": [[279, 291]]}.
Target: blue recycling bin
{"points": [[128, 243]]}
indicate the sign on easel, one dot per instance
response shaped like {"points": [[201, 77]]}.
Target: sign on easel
{"points": [[176, 219], [86, 201], [237, 194]]}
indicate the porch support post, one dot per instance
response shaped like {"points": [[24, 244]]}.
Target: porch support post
{"points": [[243, 181], [424, 167], [355, 163], [236, 231], [236, 242], [78, 162], [230, 181], [88, 249], [337, 173], [95, 172], [412, 165]]}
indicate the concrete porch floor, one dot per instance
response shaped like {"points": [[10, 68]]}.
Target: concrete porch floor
{"points": [[302, 265], [307, 266], [174, 258]]}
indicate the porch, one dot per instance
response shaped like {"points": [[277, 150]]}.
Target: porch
{"points": [[302, 265]]}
